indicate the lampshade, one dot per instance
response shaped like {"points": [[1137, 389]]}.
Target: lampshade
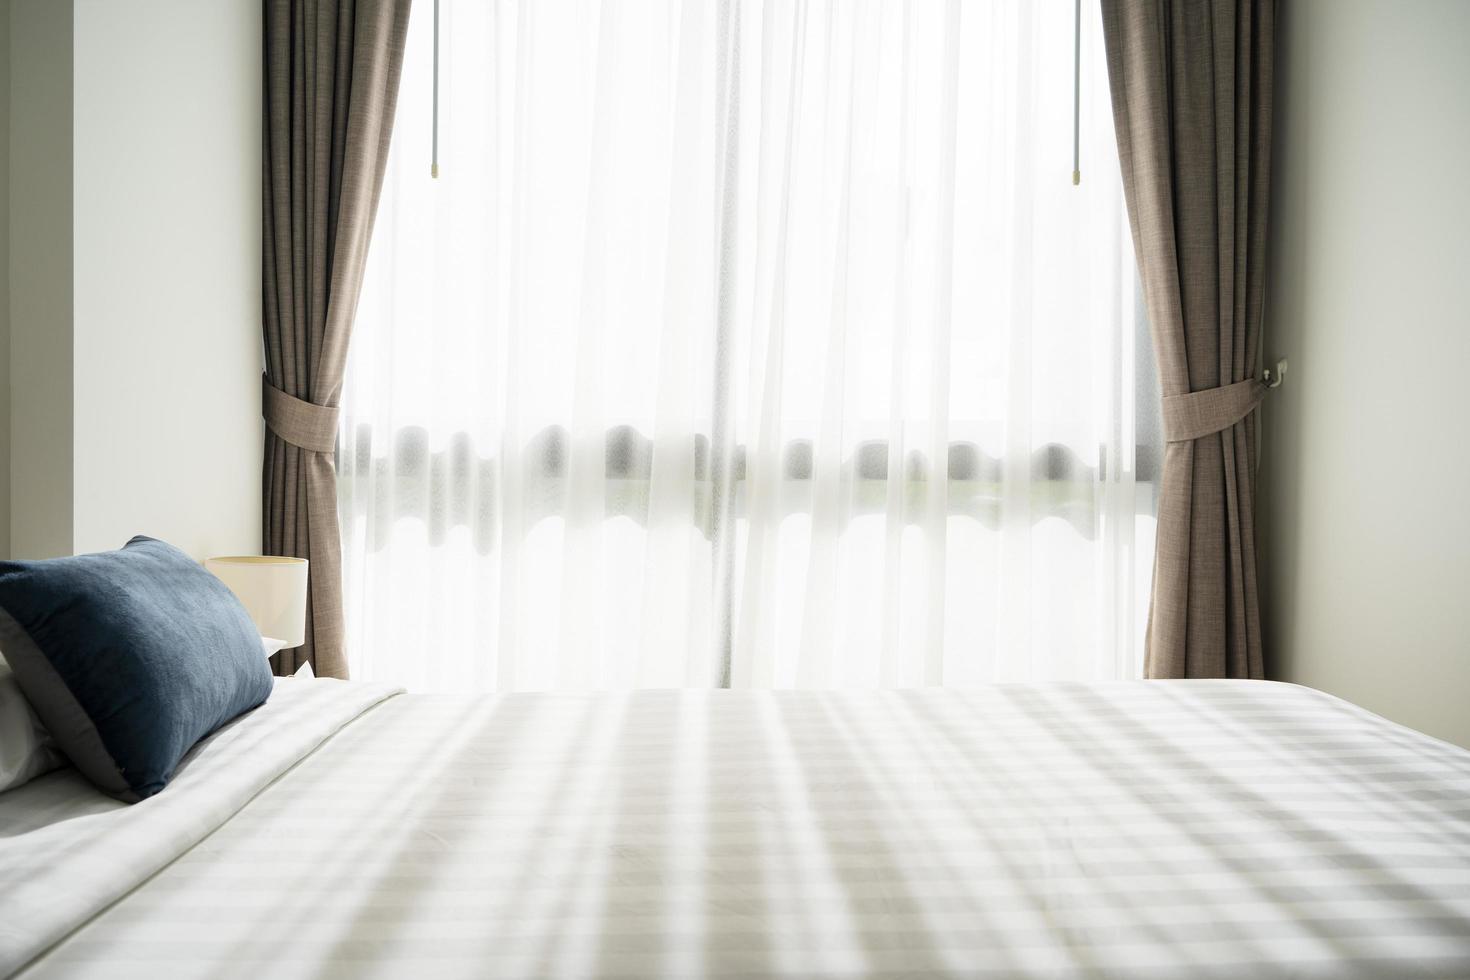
{"points": [[272, 590]]}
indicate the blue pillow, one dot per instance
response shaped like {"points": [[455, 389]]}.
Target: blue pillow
{"points": [[129, 657]]}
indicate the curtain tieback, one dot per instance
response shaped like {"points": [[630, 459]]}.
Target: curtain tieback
{"points": [[1198, 413], [297, 421]]}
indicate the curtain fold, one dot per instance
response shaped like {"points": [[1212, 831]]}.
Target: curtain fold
{"points": [[331, 81], [1192, 96]]}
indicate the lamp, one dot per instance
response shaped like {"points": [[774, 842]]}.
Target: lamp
{"points": [[273, 591]]}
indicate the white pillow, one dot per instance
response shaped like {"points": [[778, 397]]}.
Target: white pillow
{"points": [[26, 749]]}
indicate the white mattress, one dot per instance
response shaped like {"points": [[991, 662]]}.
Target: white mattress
{"points": [[1150, 829]]}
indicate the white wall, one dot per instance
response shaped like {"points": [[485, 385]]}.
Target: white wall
{"points": [[40, 279], [1366, 466], [4, 280], [135, 257]]}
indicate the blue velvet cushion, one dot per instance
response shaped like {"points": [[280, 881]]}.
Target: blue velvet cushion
{"points": [[129, 657]]}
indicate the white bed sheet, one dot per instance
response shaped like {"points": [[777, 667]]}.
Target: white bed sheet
{"points": [[1150, 829], [67, 851]]}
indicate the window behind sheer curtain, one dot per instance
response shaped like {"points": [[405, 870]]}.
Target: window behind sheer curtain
{"points": [[749, 344]]}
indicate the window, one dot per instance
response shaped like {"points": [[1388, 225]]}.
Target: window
{"points": [[749, 344]]}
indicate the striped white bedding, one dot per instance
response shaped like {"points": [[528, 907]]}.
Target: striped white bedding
{"points": [[67, 852], [1150, 829]]}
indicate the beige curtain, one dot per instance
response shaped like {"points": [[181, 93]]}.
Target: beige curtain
{"points": [[1191, 87], [331, 83]]}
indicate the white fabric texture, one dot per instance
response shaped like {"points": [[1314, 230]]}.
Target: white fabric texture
{"points": [[26, 749], [1200, 829], [748, 344], [67, 851]]}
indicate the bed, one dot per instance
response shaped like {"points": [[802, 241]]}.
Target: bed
{"points": [[1132, 829]]}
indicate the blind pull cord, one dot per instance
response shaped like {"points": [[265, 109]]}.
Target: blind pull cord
{"points": [[1076, 92], [434, 151]]}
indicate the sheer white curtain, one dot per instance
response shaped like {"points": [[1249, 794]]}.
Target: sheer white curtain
{"points": [[750, 344]]}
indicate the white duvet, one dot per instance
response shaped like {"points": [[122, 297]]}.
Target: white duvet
{"points": [[67, 851], [1150, 829]]}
